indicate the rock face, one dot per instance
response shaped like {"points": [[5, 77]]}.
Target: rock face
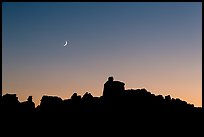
{"points": [[115, 100], [10, 103], [117, 108], [113, 88]]}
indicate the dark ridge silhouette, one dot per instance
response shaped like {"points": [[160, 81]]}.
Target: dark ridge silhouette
{"points": [[115, 99], [116, 105]]}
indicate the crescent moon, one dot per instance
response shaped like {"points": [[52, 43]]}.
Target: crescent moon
{"points": [[65, 43]]}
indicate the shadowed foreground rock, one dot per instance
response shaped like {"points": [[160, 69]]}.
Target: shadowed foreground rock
{"points": [[132, 107]]}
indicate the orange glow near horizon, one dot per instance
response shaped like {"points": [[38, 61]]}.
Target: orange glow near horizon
{"points": [[95, 87]]}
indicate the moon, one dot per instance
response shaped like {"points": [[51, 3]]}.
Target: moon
{"points": [[65, 43]]}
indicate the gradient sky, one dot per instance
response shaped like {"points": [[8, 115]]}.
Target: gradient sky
{"points": [[156, 46]]}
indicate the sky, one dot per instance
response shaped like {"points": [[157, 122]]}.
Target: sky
{"points": [[156, 46]]}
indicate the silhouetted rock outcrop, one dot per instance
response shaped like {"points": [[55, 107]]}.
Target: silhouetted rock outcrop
{"points": [[115, 100], [50, 104], [113, 89], [10, 104], [28, 106]]}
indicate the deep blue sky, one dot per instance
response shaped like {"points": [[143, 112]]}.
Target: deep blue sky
{"points": [[152, 45]]}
